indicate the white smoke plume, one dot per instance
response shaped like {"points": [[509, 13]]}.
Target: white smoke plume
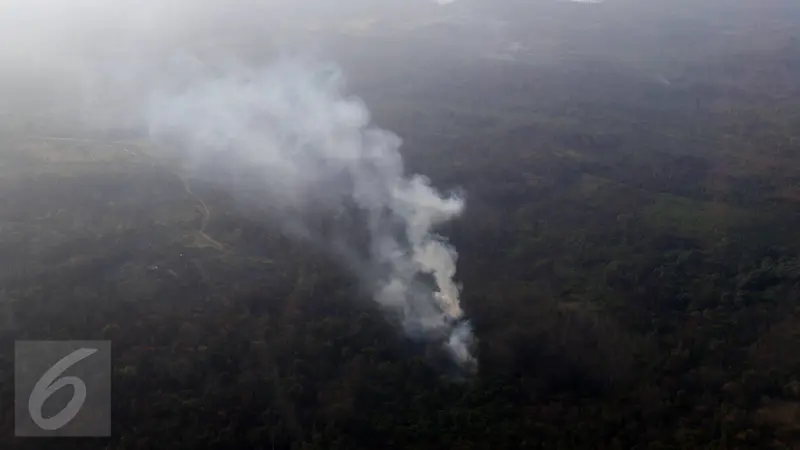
{"points": [[310, 147], [287, 130]]}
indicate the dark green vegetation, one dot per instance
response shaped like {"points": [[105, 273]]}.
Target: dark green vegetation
{"points": [[629, 257]]}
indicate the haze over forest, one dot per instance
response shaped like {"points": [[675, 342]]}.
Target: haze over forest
{"points": [[408, 223]]}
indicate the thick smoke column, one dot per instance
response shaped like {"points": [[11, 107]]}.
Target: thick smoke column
{"points": [[312, 149], [284, 136]]}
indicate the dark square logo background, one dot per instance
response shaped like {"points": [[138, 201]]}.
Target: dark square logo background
{"points": [[33, 358]]}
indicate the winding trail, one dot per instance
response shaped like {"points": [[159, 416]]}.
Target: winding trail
{"points": [[203, 239], [206, 212]]}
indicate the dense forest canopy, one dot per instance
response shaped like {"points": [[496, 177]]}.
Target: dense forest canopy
{"points": [[628, 251]]}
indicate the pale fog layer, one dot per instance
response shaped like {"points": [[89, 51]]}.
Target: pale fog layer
{"points": [[222, 80]]}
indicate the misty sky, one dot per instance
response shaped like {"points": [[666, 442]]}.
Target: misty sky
{"points": [[53, 48]]}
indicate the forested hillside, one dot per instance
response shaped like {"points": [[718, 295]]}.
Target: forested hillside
{"points": [[628, 254]]}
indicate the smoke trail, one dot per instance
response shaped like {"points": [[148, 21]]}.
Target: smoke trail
{"points": [[313, 151], [287, 131]]}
